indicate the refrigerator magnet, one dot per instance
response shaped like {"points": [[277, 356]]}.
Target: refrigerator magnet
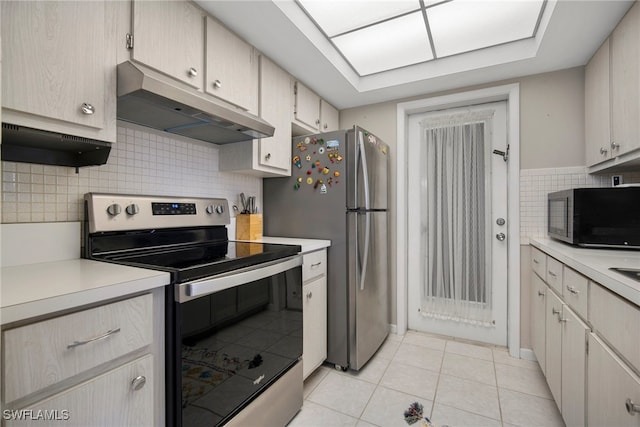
{"points": [[309, 180], [297, 162], [333, 145], [323, 189], [321, 150]]}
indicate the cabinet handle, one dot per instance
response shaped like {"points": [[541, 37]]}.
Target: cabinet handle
{"points": [[540, 293], [316, 265], [138, 382], [535, 261], [561, 320], [326, 126], [603, 151], [309, 295], [217, 84], [87, 109], [555, 310], [192, 72], [614, 145], [268, 156], [572, 290], [552, 274], [98, 338], [317, 121], [632, 408]]}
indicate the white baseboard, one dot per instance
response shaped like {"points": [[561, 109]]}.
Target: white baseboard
{"points": [[393, 328], [527, 354]]}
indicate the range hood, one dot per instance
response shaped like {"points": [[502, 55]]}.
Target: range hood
{"points": [[148, 100], [28, 145]]}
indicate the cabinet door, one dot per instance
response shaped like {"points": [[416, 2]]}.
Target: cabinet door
{"points": [[307, 107], [54, 61], [610, 384], [625, 83], [574, 367], [232, 67], [553, 346], [169, 37], [329, 117], [121, 397], [275, 108], [538, 328], [314, 350], [597, 107]]}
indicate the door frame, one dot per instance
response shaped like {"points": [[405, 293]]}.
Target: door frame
{"points": [[511, 94]]}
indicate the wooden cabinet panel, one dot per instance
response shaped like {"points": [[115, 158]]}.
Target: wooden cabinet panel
{"points": [[553, 346], [108, 400], [610, 384], [554, 276], [538, 310], [47, 352], [575, 291], [597, 107], [625, 83], [307, 107], [329, 117], [59, 61], [539, 262], [574, 366], [169, 37], [314, 309], [617, 321], [232, 67]]}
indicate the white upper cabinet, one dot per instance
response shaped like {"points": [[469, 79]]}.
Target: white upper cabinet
{"points": [[59, 67], [597, 107], [306, 112], [625, 83], [329, 117], [169, 37], [232, 67]]}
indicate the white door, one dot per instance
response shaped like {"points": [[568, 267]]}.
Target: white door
{"points": [[457, 235]]}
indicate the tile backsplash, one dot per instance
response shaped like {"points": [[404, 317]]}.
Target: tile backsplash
{"points": [[141, 162], [536, 183]]}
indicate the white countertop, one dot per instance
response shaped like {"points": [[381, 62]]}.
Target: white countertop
{"points": [[308, 245], [595, 264], [33, 290]]}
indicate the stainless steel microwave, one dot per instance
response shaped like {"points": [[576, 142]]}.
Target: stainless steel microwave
{"points": [[596, 217]]}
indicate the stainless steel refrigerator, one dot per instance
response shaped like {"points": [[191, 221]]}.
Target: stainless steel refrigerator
{"points": [[338, 191]]}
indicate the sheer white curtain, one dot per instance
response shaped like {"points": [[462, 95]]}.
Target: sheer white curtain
{"points": [[454, 203]]}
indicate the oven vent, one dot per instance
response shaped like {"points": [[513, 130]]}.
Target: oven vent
{"points": [[28, 145]]}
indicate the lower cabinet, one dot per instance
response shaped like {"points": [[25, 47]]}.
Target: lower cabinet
{"points": [[314, 310], [538, 310], [574, 367], [613, 390], [553, 341], [121, 397]]}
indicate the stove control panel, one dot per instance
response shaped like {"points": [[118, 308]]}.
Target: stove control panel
{"points": [[120, 212]]}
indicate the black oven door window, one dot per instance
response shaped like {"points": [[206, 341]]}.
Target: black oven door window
{"points": [[558, 217], [235, 343]]}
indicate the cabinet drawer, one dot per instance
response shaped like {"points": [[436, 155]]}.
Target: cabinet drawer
{"points": [[538, 262], [617, 321], [575, 291], [554, 274], [314, 265], [47, 352], [110, 399]]}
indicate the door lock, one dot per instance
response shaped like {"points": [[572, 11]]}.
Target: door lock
{"points": [[500, 221]]}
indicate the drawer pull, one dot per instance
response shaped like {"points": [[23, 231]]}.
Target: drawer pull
{"points": [[552, 274], [632, 408], [101, 337], [555, 310], [561, 320], [535, 261], [572, 290], [316, 265], [138, 382], [540, 293]]}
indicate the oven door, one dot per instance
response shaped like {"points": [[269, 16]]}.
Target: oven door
{"points": [[559, 216], [233, 336]]}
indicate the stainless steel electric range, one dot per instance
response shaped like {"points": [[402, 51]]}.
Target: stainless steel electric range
{"points": [[233, 309]]}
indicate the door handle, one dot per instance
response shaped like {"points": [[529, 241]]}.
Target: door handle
{"points": [[501, 237]]}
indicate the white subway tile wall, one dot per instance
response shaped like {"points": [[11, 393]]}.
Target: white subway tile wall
{"points": [[141, 162], [536, 183]]}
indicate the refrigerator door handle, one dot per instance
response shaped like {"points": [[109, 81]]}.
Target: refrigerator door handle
{"points": [[365, 258], [365, 172]]}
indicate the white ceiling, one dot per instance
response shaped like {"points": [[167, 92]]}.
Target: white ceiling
{"points": [[570, 32]]}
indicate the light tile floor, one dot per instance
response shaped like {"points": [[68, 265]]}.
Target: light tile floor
{"points": [[459, 383]]}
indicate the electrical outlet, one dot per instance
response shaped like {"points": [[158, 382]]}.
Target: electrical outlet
{"points": [[616, 180]]}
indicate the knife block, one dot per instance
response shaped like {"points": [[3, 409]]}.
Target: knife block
{"points": [[248, 226]]}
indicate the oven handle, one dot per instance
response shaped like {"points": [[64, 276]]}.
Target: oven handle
{"points": [[199, 288]]}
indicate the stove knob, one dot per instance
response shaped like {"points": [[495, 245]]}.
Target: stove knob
{"points": [[220, 209], [210, 209], [132, 209], [114, 209]]}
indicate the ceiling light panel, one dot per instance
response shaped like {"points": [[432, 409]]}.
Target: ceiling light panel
{"points": [[466, 25], [339, 16], [391, 44]]}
